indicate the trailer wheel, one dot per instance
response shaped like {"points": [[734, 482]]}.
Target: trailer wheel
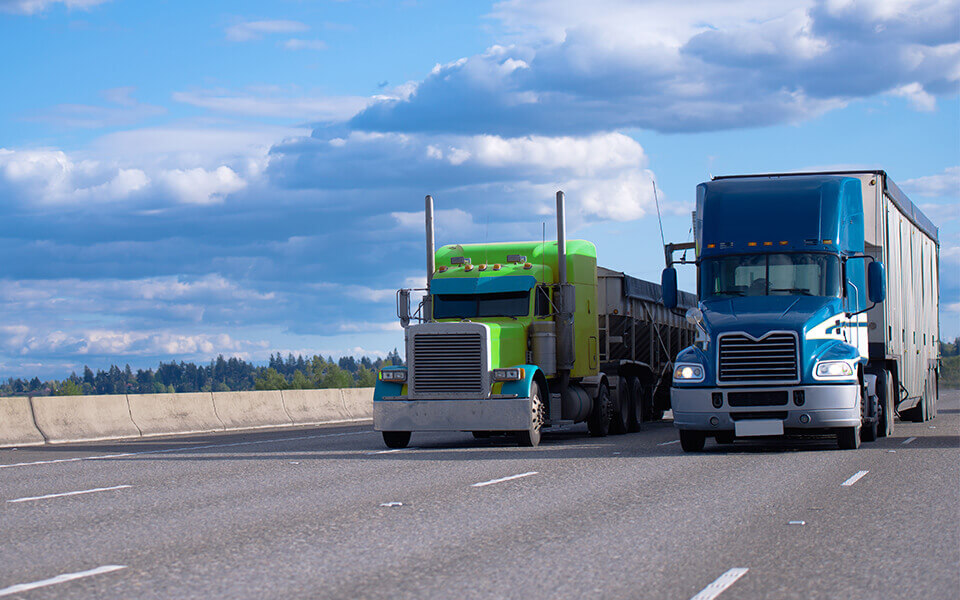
{"points": [[848, 438], [396, 439], [692, 441], [599, 421], [531, 437], [619, 420], [635, 413], [869, 431]]}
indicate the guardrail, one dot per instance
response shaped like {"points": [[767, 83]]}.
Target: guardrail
{"points": [[35, 420]]}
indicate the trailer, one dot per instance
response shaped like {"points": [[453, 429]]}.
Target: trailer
{"points": [[819, 309], [520, 337]]}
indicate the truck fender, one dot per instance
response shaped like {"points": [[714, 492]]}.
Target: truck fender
{"points": [[522, 387], [593, 382]]}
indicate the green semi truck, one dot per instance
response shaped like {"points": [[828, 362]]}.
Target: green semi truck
{"points": [[519, 337]]}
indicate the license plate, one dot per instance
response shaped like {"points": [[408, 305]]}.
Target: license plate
{"points": [[751, 427]]}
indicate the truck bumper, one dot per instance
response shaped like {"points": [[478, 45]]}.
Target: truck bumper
{"points": [[488, 414], [824, 407]]}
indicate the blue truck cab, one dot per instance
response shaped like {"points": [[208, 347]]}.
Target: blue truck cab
{"points": [[782, 282]]}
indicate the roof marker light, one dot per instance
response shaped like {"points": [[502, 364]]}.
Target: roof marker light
{"points": [[751, 243], [482, 267], [711, 245], [827, 241], [768, 243], [783, 242], [496, 267], [528, 265], [442, 268]]}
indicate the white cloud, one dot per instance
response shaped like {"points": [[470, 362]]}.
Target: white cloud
{"points": [[50, 176], [254, 30], [123, 109], [200, 186], [324, 108], [939, 185], [917, 96], [298, 44], [30, 7], [356, 292]]}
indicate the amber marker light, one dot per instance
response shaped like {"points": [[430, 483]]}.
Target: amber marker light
{"points": [[711, 245], [768, 243], [528, 265], [751, 244], [496, 267], [783, 242]]}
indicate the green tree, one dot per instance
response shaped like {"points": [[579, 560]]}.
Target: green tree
{"points": [[366, 377], [70, 388], [271, 380], [335, 377], [300, 381]]}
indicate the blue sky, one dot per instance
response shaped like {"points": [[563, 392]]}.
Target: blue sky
{"points": [[182, 179]]}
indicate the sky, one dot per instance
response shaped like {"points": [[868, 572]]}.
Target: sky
{"points": [[180, 180]]}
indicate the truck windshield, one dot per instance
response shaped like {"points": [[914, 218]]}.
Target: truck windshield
{"points": [[798, 274], [471, 306]]}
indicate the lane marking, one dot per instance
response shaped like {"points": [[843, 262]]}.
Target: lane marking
{"points": [[854, 478], [91, 491], [720, 583], [391, 451], [391, 504], [502, 479], [907, 441], [668, 443], [797, 523], [26, 587], [183, 449]]}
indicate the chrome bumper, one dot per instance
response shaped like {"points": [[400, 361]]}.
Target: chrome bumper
{"points": [[488, 414], [825, 407]]}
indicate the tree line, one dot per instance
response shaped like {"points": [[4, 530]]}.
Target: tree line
{"points": [[221, 375]]}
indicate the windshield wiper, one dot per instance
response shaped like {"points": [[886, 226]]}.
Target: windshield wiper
{"points": [[803, 291]]}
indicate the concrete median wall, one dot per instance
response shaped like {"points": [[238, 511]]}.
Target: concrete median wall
{"points": [[16, 423], [53, 419], [156, 414], [78, 418]]}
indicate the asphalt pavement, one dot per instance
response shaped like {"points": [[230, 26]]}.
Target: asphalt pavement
{"points": [[329, 512]]}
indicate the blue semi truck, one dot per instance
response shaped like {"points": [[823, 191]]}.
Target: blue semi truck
{"points": [[818, 310]]}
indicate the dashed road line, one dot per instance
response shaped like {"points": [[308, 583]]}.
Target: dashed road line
{"points": [[854, 478], [502, 479], [720, 584], [26, 587], [668, 443], [907, 441], [183, 449], [92, 491]]}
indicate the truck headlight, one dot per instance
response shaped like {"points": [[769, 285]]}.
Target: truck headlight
{"points": [[393, 375], [688, 373], [833, 369], [511, 374]]}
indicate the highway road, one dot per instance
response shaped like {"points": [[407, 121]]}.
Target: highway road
{"points": [[328, 513]]}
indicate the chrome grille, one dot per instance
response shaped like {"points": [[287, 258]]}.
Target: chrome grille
{"points": [[746, 360], [448, 363]]}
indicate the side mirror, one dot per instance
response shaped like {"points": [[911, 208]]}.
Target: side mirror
{"points": [[668, 285], [876, 282], [403, 307]]}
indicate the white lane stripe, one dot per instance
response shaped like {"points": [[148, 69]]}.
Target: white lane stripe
{"points": [[668, 443], [908, 440], [720, 583], [93, 491], [502, 479], [26, 587], [854, 478], [183, 449]]}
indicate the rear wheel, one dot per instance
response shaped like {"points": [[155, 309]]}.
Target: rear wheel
{"points": [[531, 437], [692, 441], [619, 421], [396, 439], [848, 438], [635, 416], [599, 421]]}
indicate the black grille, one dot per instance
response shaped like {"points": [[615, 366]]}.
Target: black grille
{"points": [[447, 363], [757, 398], [745, 360], [746, 416]]}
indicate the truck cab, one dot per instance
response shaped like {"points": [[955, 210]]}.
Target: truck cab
{"points": [[784, 287]]}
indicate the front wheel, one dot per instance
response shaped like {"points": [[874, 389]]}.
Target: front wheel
{"points": [[396, 439], [848, 438], [635, 420], [692, 441], [531, 437]]}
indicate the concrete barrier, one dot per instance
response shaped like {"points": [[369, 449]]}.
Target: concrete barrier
{"points": [[358, 402], [157, 414], [16, 423], [83, 418], [238, 410], [315, 406]]}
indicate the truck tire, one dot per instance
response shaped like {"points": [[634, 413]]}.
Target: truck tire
{"points": [[635, 415], [531, 437], [870, 429], [619, 420], [692, 441], [848, 438], [599, 420], [396, 439]]}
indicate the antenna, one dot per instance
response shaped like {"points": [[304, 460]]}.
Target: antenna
{"points": [[543, 249], [659, 218]]}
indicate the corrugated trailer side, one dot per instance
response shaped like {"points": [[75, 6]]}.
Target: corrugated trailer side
{"points": [[904, 330]]}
